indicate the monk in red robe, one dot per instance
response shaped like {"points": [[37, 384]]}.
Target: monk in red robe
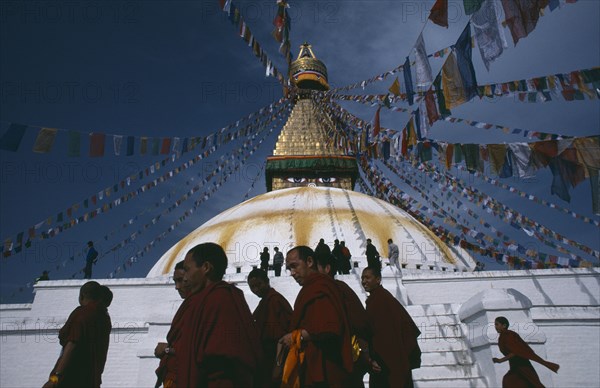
{"points": [[84, 338], [166, 372], [394, 348], [357, 318], [272, 318], [218, 344], [320, 320], [518, 353]]}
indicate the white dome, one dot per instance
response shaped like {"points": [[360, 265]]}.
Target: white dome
{"points": [[303, 215]]}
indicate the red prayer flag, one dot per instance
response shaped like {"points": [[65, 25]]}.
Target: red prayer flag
{"points": [[439, 13], [166, 146], [97, 144]]}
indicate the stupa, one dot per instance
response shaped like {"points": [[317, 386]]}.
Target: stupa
{"points": [[310, 196]]}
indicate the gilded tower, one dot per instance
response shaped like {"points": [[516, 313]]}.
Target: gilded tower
{"points": [[304, 155]]}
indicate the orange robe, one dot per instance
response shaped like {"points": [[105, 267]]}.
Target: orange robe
{"points": [[320, 311], [272, 317], [219, 344], [394, 340], [521, 372], [88, 327]]}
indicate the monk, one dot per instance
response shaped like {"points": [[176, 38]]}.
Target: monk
{"points": [[357, 318], [518, 353], [320, 353], [219, 344], [84, 338], [394, 348], [166, 372], [272, 318]]}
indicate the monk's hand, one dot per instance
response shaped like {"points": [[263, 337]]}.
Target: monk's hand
{"points": [[49, 384], [375, 366], [159, 351], [496, 360], [286, 340]]}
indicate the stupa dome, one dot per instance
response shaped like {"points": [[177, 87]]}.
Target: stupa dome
{"points": [[303, 215]]}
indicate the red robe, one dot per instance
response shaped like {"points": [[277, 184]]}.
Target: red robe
{"points": [[359, 326], [394, 340], [521, 372], [272, 317], [320, 311], [88, 327], [167, 369], [219, 344]]}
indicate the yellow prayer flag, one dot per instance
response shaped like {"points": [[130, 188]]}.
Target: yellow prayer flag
{"points": [[452, 83], [395, 88]]}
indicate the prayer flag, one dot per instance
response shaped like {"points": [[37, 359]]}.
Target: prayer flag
{"points": [[423, 68], [45, 140], [117, 141], [408, 82], [143, 145], [97, 144], [11, 140], [439, 13], [465, 63], [166, 146], [130, 145], [376, 124], [488, 33], [453, 88], [74, 144], [472, 6], [522, 16], [395, 87]]}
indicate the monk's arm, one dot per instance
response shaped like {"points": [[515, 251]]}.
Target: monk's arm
{"points": [[62, 362], [503, 359]]}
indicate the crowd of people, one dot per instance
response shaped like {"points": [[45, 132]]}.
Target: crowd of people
{"points": [[326, 339]]}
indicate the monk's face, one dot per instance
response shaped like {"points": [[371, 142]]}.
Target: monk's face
{"points": [[369, 280], [258, 287], [180, 286], [299, 269], [195, 276], [499, 327]]}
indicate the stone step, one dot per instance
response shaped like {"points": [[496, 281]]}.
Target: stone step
{"points": [[432, 345], [427, 310], [446, 358], [466, 382], [446, 372]]}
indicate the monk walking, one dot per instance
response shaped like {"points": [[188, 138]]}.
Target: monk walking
{"points": [[518, 353], [272, 317], [166, 372], [320, 353], [394, 348], [219, 344]]}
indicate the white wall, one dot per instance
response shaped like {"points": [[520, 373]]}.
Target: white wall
{"points": [[565, 305]]}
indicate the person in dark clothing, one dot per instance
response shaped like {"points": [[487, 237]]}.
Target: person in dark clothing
{"points": [[277, 261], [372, 255], [345, 263], [91, 258], [264, 259]]}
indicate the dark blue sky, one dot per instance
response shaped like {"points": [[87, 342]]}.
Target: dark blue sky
{"points": [[178, 68]]}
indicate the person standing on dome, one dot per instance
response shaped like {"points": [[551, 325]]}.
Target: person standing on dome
{"points": [[277, 261], [219, 344], [393, 253], [320, 352], [166, 372], [372, 255], [518, 353], [272, 318], [345, 263], [394, 348], [264, 259]]}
